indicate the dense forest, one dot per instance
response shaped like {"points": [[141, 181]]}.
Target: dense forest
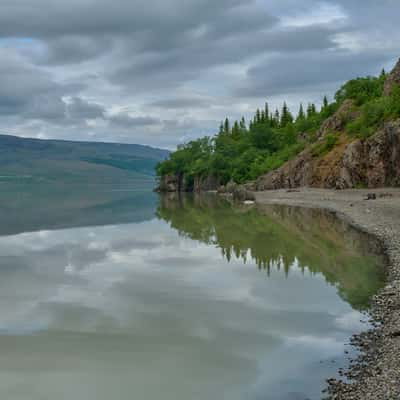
{"points": [[243, 150]]}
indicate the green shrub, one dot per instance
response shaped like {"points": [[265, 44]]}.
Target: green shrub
{"points": [[325, 146], [373, 115], [361, 90]]}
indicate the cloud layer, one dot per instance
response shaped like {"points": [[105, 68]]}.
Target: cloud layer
{"points": [[161, 71]]}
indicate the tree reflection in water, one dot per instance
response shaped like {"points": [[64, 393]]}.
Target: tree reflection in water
{"points": [[281, 238]]}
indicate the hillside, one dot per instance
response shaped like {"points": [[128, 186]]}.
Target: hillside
{"points": [[36, 160], [353, 141]]}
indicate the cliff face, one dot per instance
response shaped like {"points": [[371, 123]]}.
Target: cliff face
{"points": [[374, 162]]}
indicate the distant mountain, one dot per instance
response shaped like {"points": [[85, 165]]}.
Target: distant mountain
{"points": [[61, 161]]}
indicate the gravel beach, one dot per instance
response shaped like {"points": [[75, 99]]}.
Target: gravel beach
{"points": [[375, 375]]}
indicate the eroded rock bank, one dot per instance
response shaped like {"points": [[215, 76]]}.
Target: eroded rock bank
{"points": [[370, 163], [180, 183], [376, 374]]}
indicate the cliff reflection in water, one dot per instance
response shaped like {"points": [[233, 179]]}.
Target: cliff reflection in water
{"points": [[282, 238]]}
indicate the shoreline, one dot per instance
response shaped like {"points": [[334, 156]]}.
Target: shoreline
{"points": [[375, 374]]}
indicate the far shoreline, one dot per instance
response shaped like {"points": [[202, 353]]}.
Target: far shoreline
{"points": [[376, 373]]}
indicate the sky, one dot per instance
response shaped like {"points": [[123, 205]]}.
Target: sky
{"points": [[162, 72]]}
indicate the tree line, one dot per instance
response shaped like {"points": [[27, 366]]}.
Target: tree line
{"points": [[243, 150]]}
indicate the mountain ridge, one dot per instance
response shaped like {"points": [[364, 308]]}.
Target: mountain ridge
{"points": [[49, 160]]}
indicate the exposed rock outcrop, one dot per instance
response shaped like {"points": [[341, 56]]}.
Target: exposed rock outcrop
{"points": [[175, 183], [207, 183], [374, 162], [392, 80], [169, 183], [338, 121]]}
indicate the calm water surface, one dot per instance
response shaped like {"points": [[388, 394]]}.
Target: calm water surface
{"points": [[115, 294]]}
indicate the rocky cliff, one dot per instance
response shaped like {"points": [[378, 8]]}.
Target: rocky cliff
{"points": [[374, 162]]}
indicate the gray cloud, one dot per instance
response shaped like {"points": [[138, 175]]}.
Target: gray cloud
{"points": [[29, 91], [296, 73], [126, 121], [79, 108], [181, 102], [192, 62], [174, 67], [73, 49]]}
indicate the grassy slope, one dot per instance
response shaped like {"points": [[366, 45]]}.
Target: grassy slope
{"points": [[55, 160]]}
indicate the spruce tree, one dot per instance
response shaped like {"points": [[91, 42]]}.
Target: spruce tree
{"points": [[325, 103], [242, 125], [258, 116], [221, 128], [235, 129], [227, 128], [286, 117], [277, 118], [266, 110], [301, 115], [263, 116], [313, 109]]}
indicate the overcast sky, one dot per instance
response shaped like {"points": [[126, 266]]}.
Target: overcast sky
{"points": [[161, 72]]}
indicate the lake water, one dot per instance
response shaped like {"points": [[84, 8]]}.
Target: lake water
{"points": [[113, 293]]}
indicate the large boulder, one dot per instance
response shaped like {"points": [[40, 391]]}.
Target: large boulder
{"points": [[242, 194], [230, 187]]}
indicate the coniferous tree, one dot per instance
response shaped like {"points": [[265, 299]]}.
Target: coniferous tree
{"points": [[266, 110], [301, 115], [313, 109], [227, 128], [325, 104], [242, 125], [277, 118], [258, 116], [309, 111], [383, 73], [221, 128], [236, 129], [286, 117], [263, 116]]}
